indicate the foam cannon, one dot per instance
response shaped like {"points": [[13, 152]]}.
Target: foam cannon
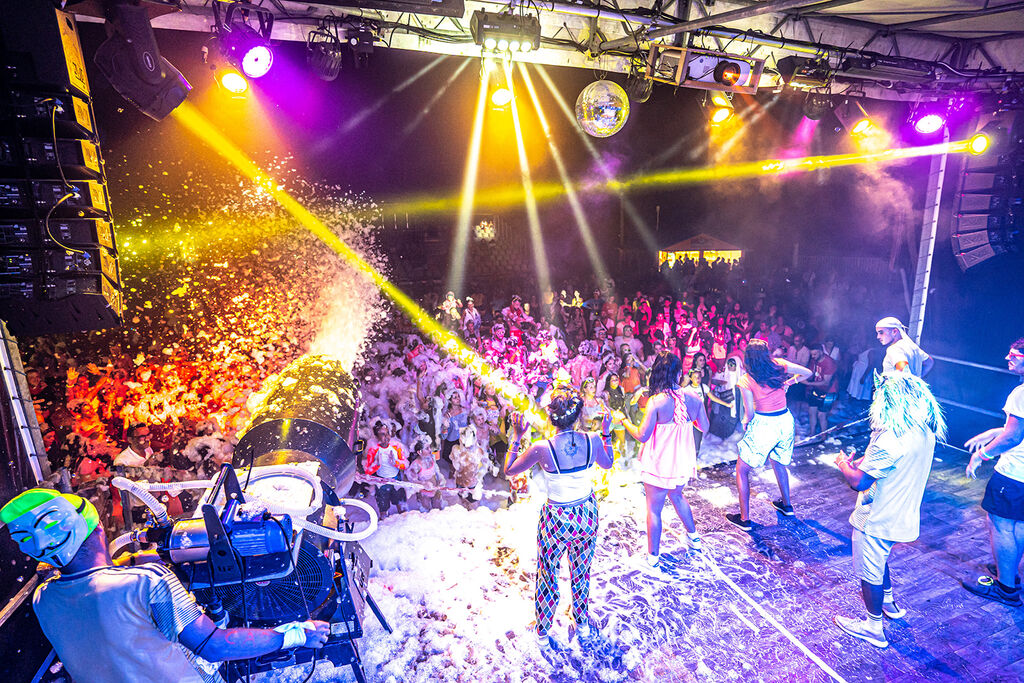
{"points": [[271, 541]]}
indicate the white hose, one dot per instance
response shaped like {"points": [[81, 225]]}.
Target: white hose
{"points": [[176, 487], [123, 540], [341, 535], [142, 494]]}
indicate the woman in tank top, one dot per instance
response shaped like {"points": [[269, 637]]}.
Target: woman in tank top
{"points": [[668, 458], [769, 431], [568, 520]]}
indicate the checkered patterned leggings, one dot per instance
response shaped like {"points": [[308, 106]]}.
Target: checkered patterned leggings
{"points": [[565, 528]]}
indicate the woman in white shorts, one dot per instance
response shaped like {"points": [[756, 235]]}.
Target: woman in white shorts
{"points": [[768, 425]]}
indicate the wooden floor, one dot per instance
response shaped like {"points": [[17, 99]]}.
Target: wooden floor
{"points": [[800, 569]]}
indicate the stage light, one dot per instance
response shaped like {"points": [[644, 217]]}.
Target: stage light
{"points": [[979, 144], [804, 73], [817, 105], [501, 97], [855, 119], [131, 61], [929, 123], [721, 115], [323, 53], [720, 110], [233, 82], [257, 61], [505, 32], [244, 46], [863, 126]]}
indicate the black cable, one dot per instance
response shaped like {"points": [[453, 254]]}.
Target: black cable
{"points": [[46, 223], [68, 186]]}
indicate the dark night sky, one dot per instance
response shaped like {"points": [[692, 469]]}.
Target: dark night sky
{"points": [[312, 120]]}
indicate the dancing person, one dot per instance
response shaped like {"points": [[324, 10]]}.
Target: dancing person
{"points": [[112, 624], [387, 459], [906, 420], [901, 353], [423, 470], [668, 457], [138, 450], [1004, 494], [768, 426], [822, 390], [568, 520]]}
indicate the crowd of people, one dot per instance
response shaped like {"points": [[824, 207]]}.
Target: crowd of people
{"points": [[175, 409]]}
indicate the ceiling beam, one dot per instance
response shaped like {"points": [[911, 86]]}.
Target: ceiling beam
{"points": [[957, 16], [715, 19]]}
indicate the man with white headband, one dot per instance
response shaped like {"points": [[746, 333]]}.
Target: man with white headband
{"points": [[901, 353], [124, 624]]}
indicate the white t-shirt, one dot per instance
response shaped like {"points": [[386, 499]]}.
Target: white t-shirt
{"points": [[120, 625], [891, 508], [129, 458], [904, 350], [1011, 463]]}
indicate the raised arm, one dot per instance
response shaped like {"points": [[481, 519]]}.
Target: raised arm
{"points": [[517, 462]]}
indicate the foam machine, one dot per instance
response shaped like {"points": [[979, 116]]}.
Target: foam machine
{"points": [[271, 541]]}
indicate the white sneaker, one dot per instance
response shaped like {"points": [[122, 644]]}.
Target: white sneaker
{"points": [[893, 611], [863, 629]]}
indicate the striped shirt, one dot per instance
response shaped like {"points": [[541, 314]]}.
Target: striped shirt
{"points": [[120, 625]]}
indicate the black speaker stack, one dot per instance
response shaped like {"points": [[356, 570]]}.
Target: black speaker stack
{"points": [[58, 257], [988, 217]]}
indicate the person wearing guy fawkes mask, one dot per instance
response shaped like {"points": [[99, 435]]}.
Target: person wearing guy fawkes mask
{"points": [[113, 624]]}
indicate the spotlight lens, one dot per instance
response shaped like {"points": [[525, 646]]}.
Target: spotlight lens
{"points": [[930, 123], [526, 46], [862, 127], [501, 97], [490, 43], [514, 46], [720, 100], [257, 61], [721, 115], [234, 82], [978, 144], [502, 45]]}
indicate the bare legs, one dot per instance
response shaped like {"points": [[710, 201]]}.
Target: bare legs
{"points": [[743, 484], [1007, 547], [874, 595], [655, 502]]}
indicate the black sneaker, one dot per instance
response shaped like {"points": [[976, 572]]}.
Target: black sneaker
{"points": [[738, 522], [988, 588], [994, 571], [784, 509]]}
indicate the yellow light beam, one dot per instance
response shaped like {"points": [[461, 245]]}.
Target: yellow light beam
{"points": [[437, 96], [190, 117], [457, 258], [641, 225], [540, 259], [366, 112], [593, 253], [500, 197]]}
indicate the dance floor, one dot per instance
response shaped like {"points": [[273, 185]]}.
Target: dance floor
{"points": [[458, 587]]}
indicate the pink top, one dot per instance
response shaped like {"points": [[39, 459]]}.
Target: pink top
{"points": [[766, 399], [669, 458]]}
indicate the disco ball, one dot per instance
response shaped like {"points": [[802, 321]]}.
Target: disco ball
{"points": [[602, 108]]}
